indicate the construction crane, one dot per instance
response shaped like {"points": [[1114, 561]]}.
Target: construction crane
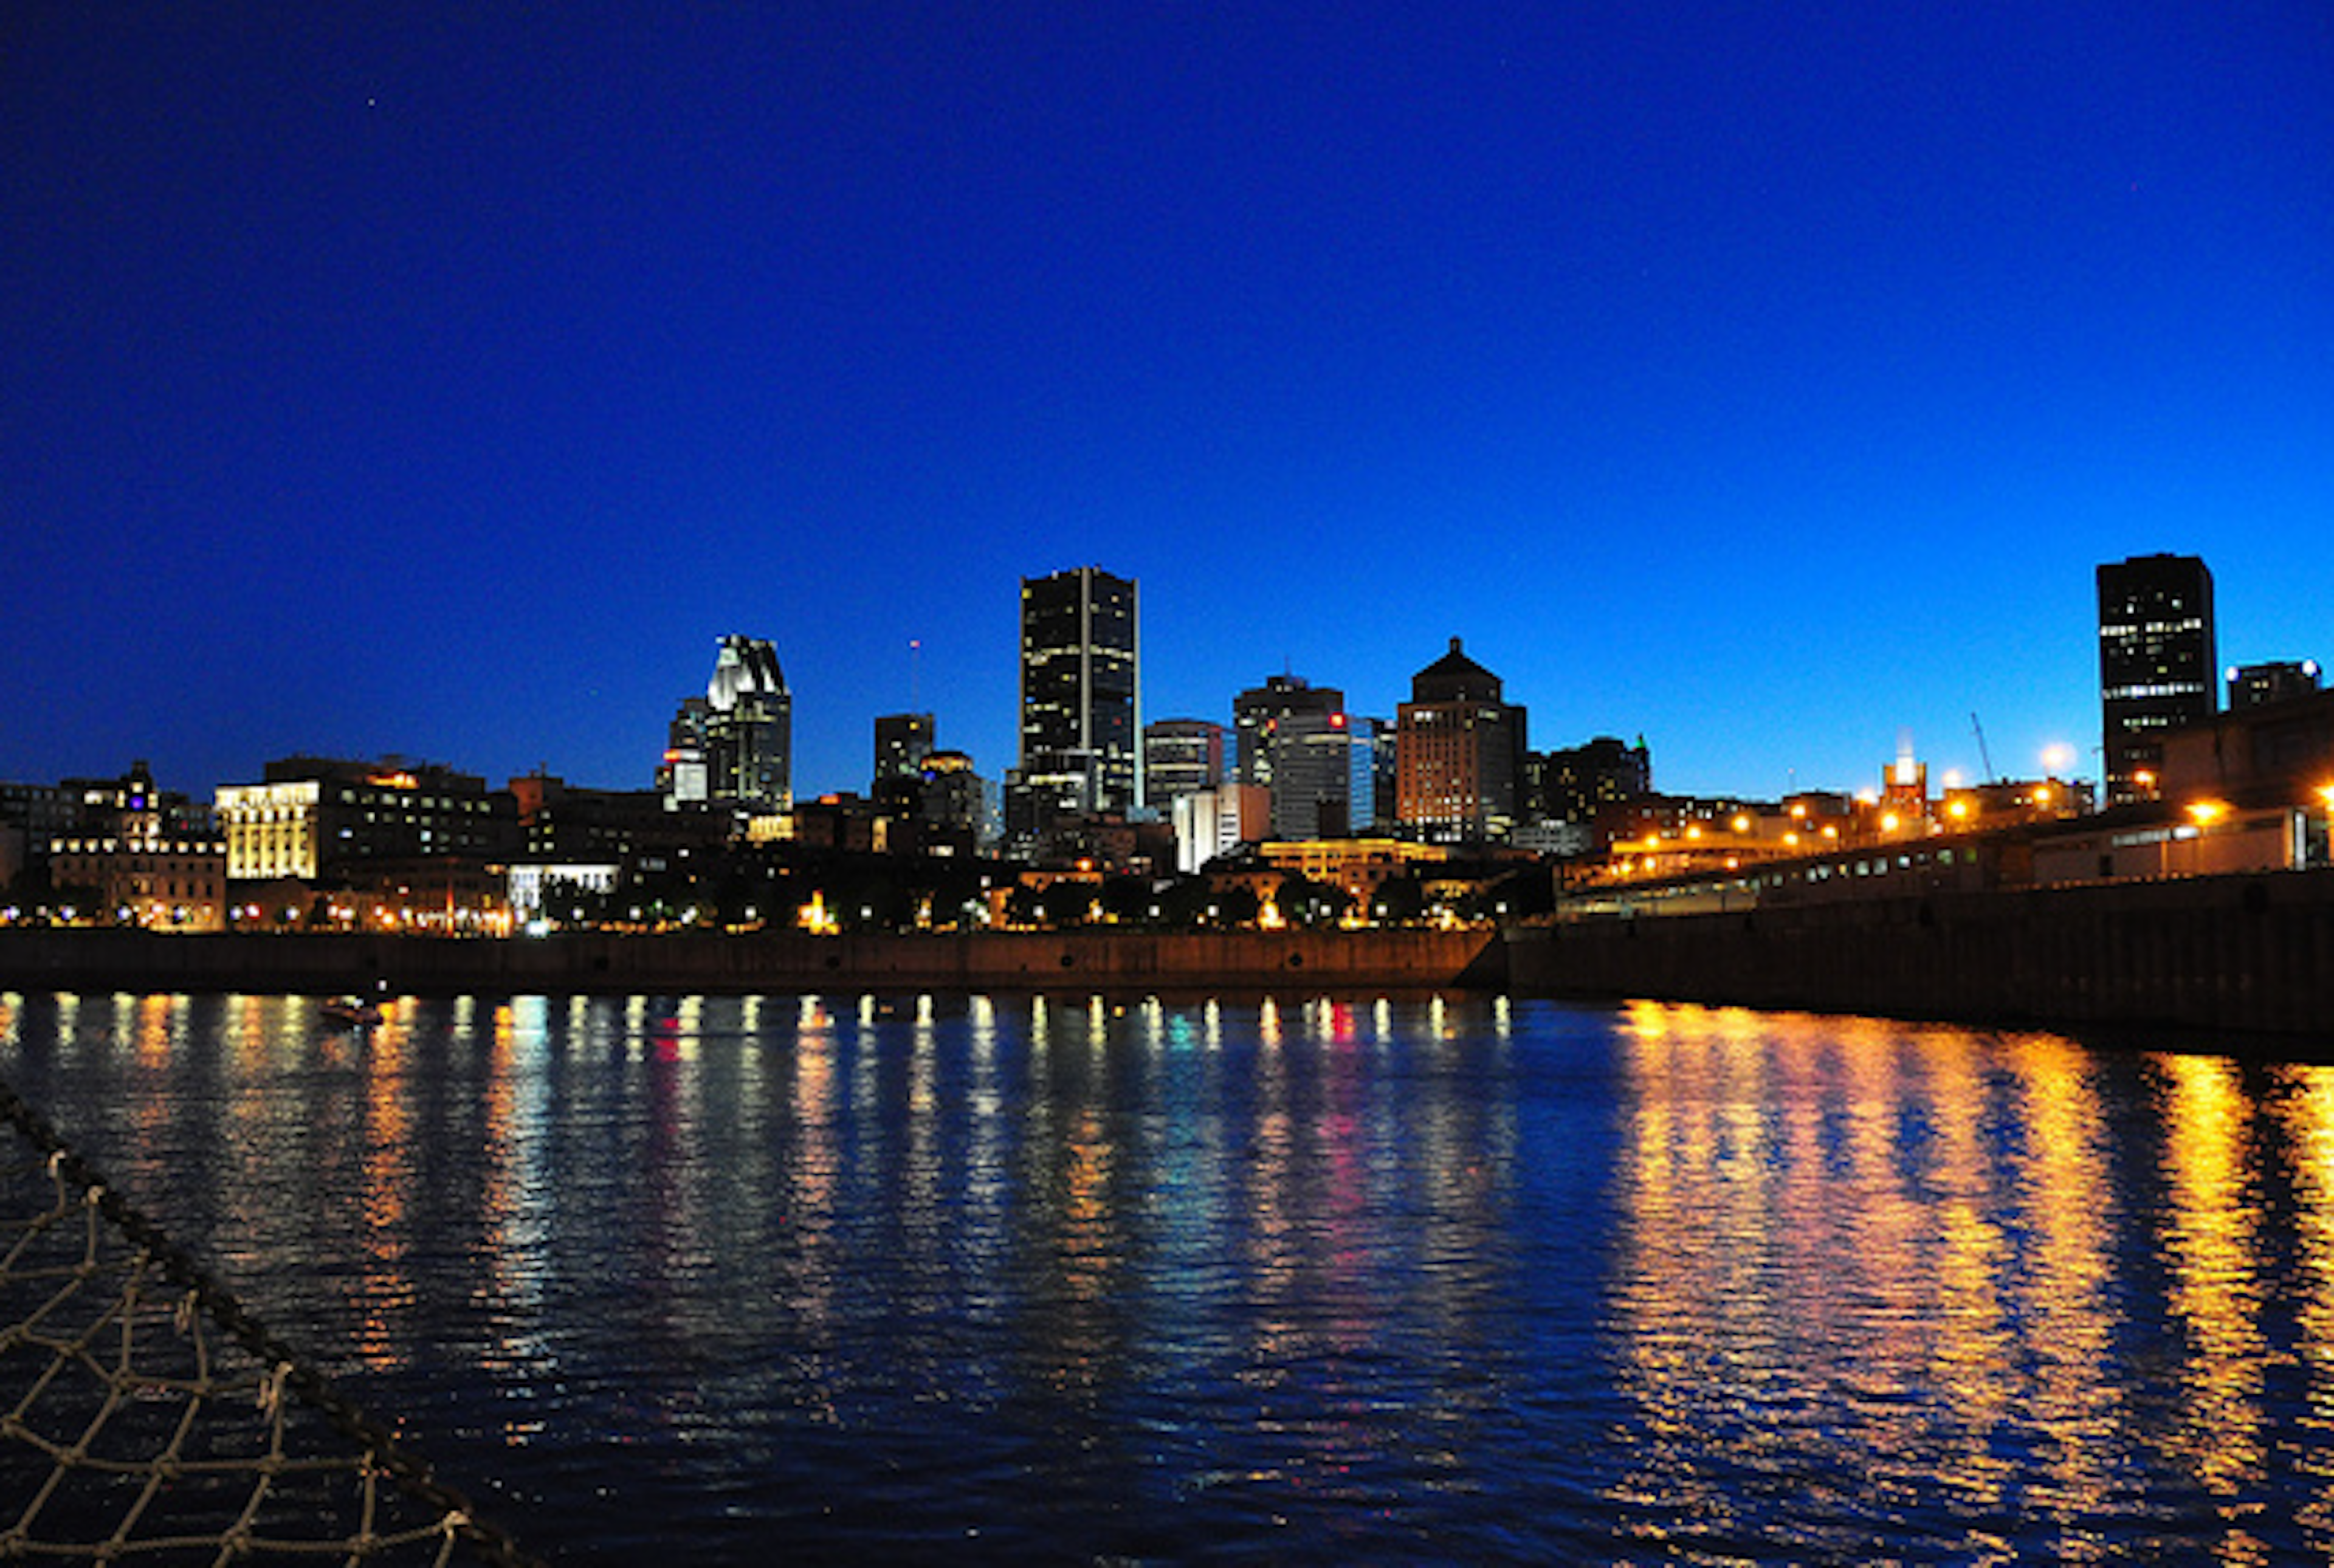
{"points": [[1983, 756]]}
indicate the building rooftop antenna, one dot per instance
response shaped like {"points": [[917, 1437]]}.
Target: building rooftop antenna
{"points": [[915, 673]]}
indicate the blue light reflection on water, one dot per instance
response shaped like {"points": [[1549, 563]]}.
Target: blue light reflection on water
{"points": [[1329, 1280]]}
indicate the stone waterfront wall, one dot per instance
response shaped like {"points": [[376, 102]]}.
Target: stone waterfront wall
{"points": [[2253, 955], [1105, 960]]}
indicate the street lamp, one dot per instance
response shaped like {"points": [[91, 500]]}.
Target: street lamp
{"points": [[2204, 813]]}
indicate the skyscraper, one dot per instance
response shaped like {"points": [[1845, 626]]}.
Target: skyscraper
{"points": [[1461, 752], [2156, 663], [1080, 696], [1294, 740], [749, 730]]}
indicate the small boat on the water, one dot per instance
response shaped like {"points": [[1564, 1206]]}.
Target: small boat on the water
{"points": [[353, 1010]]}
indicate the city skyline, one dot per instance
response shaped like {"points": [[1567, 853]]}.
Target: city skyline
{"points": [[1768, 387]]}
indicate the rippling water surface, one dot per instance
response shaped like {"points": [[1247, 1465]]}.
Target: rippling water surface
{"points": [[957, 1279]]}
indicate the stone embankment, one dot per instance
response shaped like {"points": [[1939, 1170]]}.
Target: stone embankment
{"points": [[1105, 960], [2250, 955]]}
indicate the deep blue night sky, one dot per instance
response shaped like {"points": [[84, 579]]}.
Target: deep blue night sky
{"points": [[1763, 379]]}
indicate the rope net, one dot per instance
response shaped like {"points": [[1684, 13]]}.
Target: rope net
{"points": [[145, 1417]]}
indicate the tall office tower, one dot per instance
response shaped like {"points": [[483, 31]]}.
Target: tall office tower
{"points": [[1312, 776], [2254, 684], [749, 730], [1292, 739], [2156, 663], [902, 742], [1460, 750], [1080, 694], [1181, 756], [1258, 714]]}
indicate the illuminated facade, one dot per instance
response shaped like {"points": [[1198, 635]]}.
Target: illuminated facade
{"points": [[749, 730], [1080, 697], [1460, 752], [1214, 823], [1905, 788], [2156, 663], [146, 858], [314, 817], [1359, 867]]}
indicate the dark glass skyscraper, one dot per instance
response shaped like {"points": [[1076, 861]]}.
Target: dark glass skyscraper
{"points": [[1294, 740], [1081, 747], [2156, 663]]}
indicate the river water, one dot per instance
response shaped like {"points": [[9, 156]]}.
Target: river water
{"points": [[963, 1279]]}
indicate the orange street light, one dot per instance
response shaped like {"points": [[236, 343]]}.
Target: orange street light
{"points": [[2204, 813]]}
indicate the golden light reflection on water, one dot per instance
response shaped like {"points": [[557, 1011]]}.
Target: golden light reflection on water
{"points": [[1865, 1255], [809, 1272], [2306, 1109], [385, 1293], [2210, 1243], [517, 1203]]}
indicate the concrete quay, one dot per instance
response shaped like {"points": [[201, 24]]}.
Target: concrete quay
{"points": [[2243, 955]]}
